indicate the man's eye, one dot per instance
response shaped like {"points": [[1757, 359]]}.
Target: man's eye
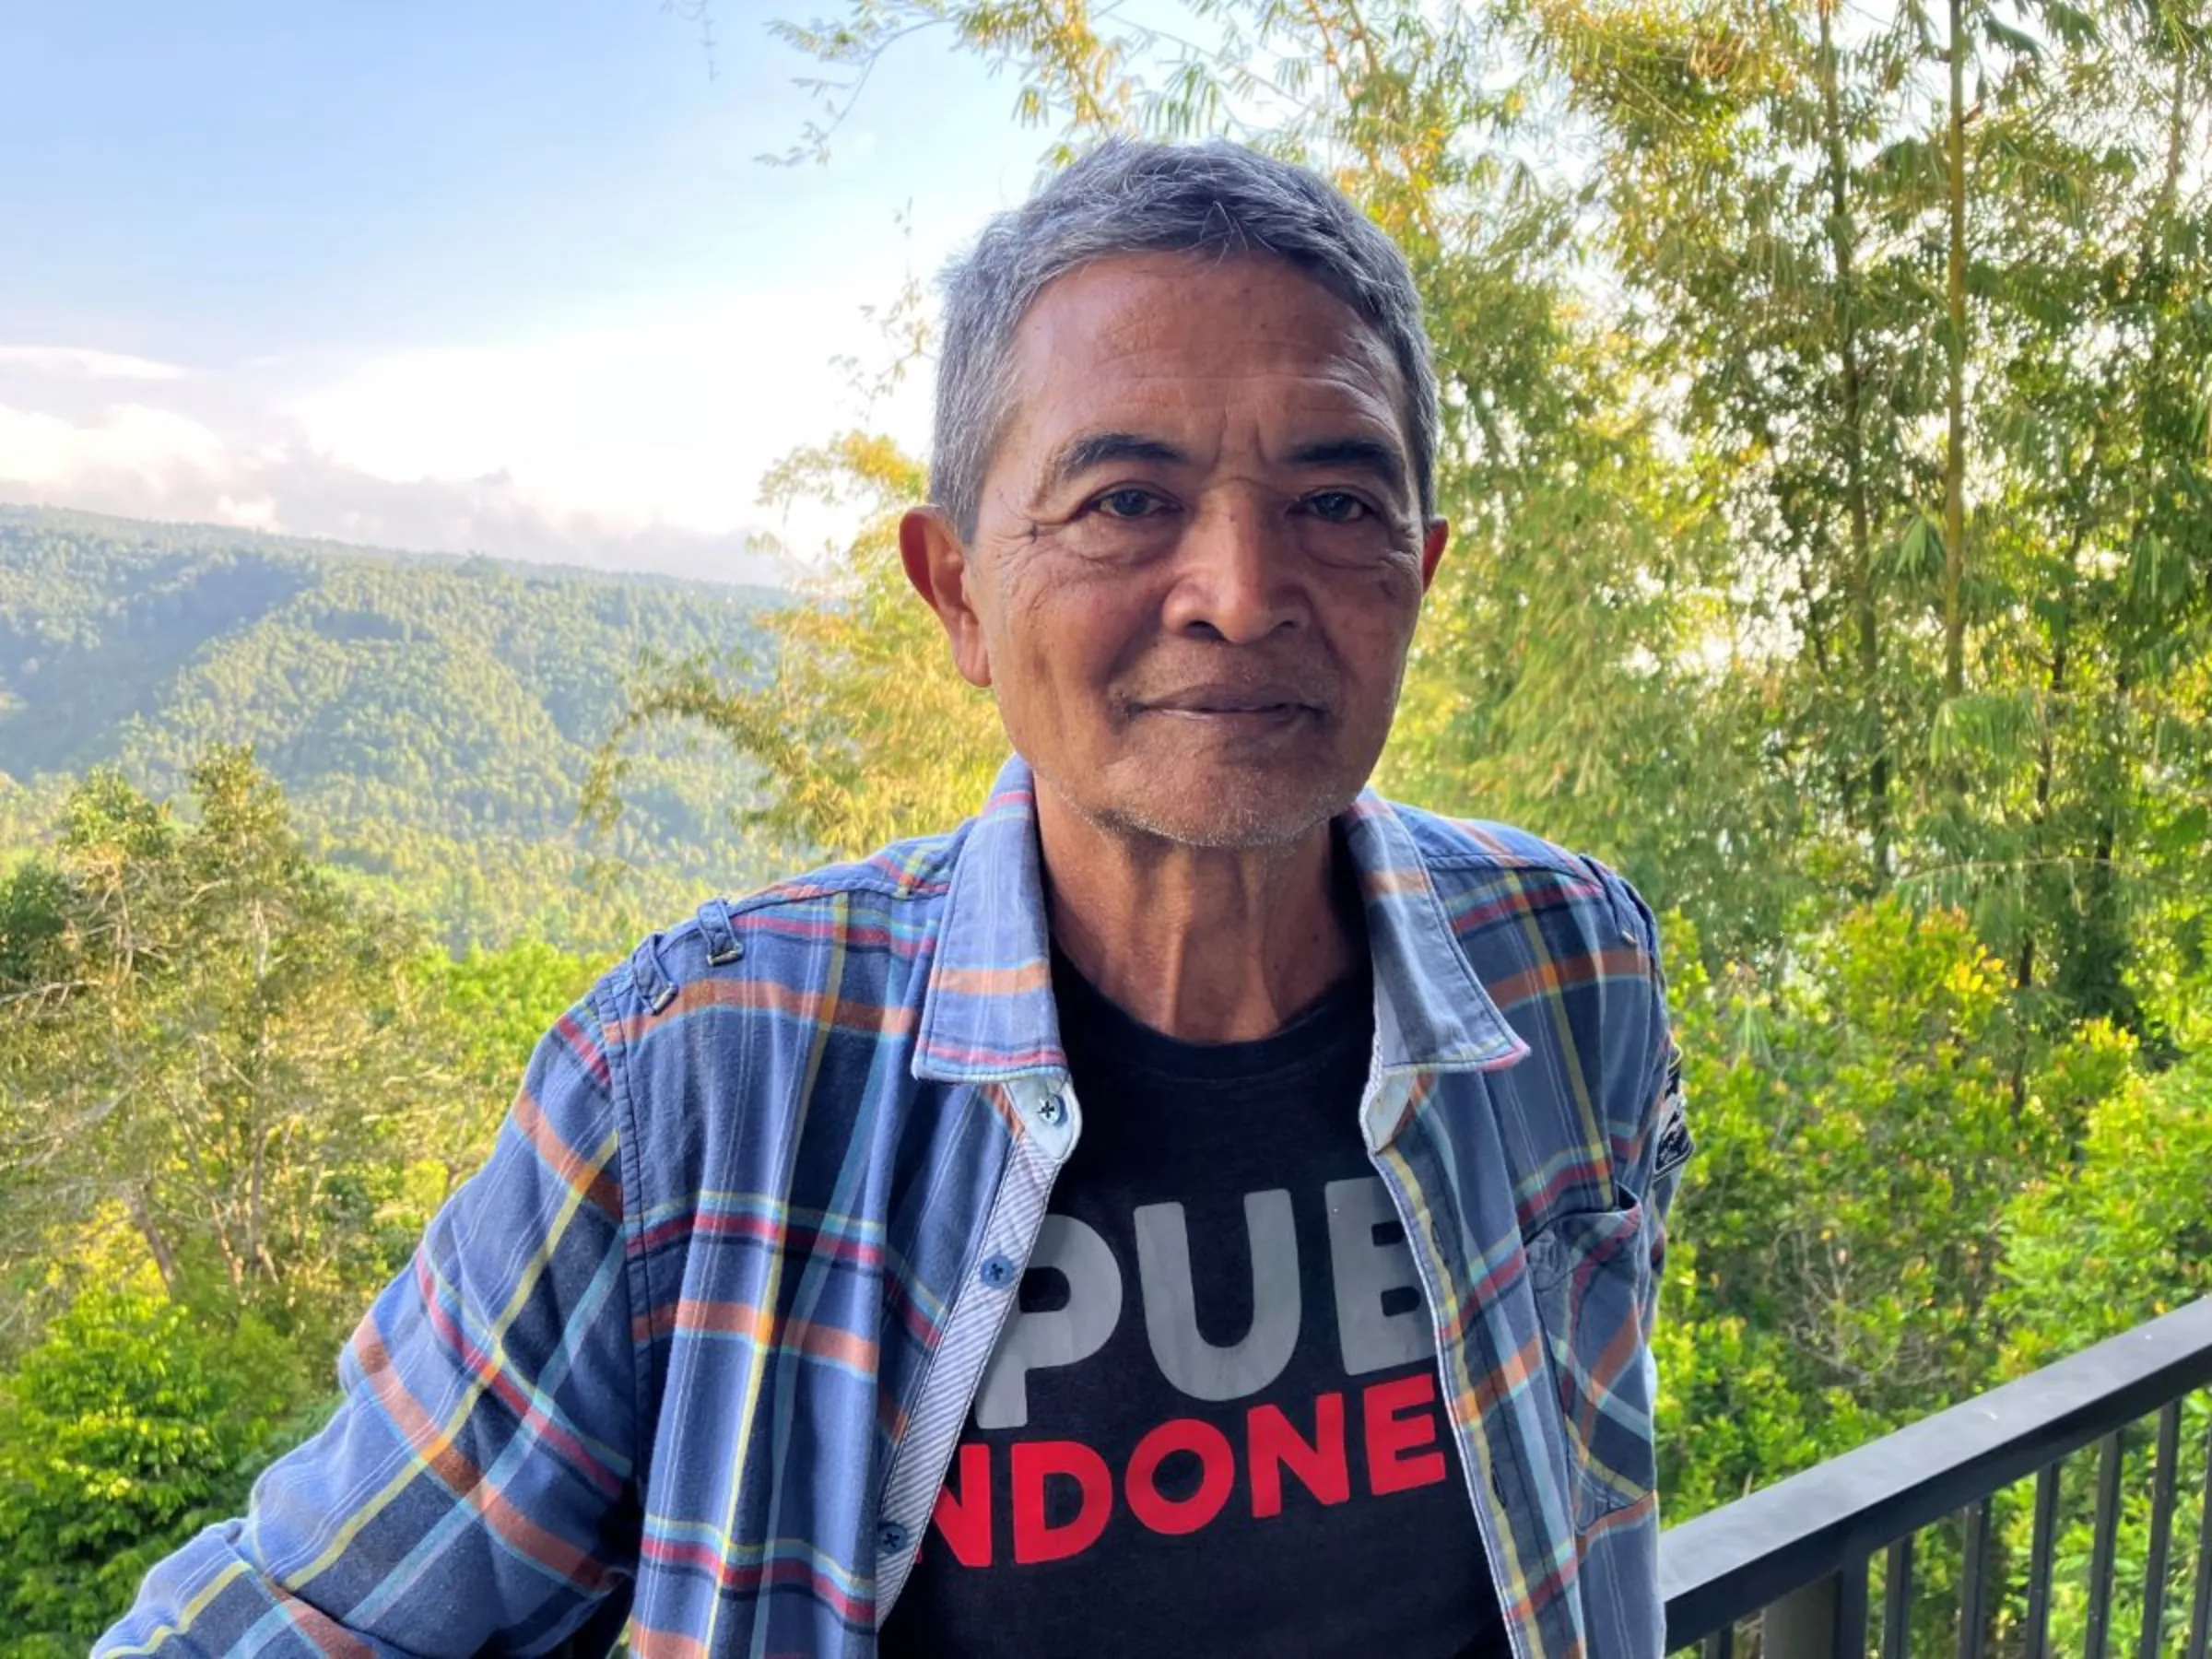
{"points": [[1337, 507], [1127, 503]]}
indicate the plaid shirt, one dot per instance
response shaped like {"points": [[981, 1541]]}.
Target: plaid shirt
{"points": [[694, 1348]]}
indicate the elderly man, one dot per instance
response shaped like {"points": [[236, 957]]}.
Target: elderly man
{"points": [[1196, 1207]]}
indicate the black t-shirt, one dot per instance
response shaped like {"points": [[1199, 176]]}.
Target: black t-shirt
{"points": [[1212, 1426]]}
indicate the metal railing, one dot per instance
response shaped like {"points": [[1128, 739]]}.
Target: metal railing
{"points": [[1793, 1564]]}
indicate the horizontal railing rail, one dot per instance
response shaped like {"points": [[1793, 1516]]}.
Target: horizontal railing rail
{"points": [[1798, 1555]]}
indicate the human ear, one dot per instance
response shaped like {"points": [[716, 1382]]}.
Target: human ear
{"points": [[1433, 549], [937, 563]]}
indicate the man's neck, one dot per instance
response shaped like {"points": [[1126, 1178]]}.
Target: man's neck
{"points": [[1204, 944]]}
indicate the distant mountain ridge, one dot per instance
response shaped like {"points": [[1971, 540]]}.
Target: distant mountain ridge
{"points": [[430, 716], [191, 536]]}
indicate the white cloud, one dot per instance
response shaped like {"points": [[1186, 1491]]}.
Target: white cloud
{"points": [[146, 463], [124, 439], [258, 512], [675, 419], [637, 445], [76, 362]]}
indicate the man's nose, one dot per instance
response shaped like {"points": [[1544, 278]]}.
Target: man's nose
{"points": [[1230, 581]]}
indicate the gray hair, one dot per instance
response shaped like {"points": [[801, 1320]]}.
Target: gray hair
{"points": [[1127, 196]]}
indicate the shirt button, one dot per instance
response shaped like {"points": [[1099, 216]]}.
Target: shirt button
{"points": [[890, 1537], [1050, 1110], [998, 1272]]}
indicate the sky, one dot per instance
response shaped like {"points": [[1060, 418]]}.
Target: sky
{"points": [[499, 279]]}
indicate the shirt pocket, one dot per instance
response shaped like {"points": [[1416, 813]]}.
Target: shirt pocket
{"points": [[1589, 1271]]}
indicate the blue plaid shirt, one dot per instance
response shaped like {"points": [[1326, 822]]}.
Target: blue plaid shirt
{"points": [[692, 1352]]}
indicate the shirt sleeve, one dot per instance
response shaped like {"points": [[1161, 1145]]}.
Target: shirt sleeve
{"points": [[475, 1490]]}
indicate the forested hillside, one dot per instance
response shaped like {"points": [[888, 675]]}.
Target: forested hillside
{"points": [[432, 720]]}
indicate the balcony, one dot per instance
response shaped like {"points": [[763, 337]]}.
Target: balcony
{"points": [[1977, 1516]]}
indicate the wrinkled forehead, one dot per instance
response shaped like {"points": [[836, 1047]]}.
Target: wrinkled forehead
{"points": [[1168, 330]]}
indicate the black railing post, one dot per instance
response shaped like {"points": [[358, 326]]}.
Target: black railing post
{"points": [[2200, 1604], [1826, 1620], [1897, 1601], [2162, 1481], [2103, 1541], [1802, 1625], [2042, 1545], [1973, 1587]]}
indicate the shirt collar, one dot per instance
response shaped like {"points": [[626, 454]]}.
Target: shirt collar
{"points": [[988, 1010]]}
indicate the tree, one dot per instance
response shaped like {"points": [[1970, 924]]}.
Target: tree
{"points": [[861, 730], [206, 1043], [492, 1007], [1923, 287], [132, 1425], [239, 1090], [1857, 1136], [2092, 1250]]}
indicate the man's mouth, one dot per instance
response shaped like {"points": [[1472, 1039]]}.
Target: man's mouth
{"points": [[1255, 704]]}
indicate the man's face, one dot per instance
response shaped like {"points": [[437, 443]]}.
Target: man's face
{"points": [[1199, 554]]}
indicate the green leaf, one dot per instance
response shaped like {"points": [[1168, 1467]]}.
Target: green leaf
{"points": [[2011, 39], [1916, 556]]}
